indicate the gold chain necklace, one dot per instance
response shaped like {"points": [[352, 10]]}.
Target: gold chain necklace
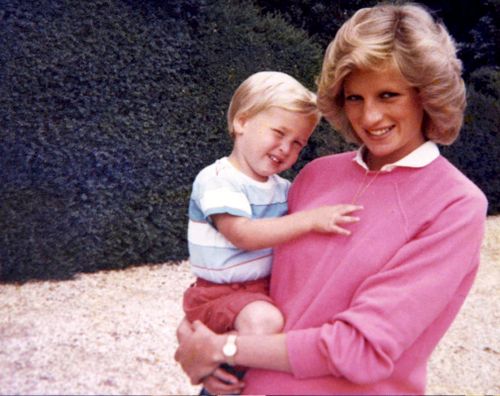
{"points": [[362, 188]]}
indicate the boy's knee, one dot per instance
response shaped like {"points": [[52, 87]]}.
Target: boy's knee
{"points": [[259, 317]]}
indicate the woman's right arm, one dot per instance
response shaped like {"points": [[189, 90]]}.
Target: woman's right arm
{"points": [[200, 351]]}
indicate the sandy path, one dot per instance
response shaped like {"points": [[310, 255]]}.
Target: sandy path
{"points": [[113, 333]]}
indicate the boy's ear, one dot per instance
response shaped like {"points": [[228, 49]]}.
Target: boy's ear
{"points": [[238, 124]]}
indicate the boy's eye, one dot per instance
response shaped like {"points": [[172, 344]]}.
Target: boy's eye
{"points": [[278, 132], [298, 143]]}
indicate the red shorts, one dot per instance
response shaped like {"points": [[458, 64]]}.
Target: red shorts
{"points": [[217, 305]]}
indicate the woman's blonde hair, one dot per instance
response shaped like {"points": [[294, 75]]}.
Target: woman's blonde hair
{"points": [[268, 89], [422, 50]]}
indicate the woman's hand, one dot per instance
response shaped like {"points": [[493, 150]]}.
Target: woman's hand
{"points": [[183, 330], [200, 350], [222, 383]]}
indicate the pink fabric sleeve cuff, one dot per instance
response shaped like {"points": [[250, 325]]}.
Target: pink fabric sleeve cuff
{"points": [[304, 353]]}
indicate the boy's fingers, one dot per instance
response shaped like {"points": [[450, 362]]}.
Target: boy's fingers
{"points": [[340, 230], [346, 219], [350, 208], [344, 209]]}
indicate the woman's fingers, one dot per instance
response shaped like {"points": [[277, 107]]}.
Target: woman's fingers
{"points": [[183, 330], [224, 376], [221, 382], [197, 349], [197, 325]]}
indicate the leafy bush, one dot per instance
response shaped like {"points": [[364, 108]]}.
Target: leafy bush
{"points": [[109, 108], [477, 150], [319, 18]]}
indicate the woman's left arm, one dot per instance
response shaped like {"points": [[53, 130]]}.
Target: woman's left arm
{"points": [[419, 290]]}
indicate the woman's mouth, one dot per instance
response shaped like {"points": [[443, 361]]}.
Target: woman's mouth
{"points": [[379, 132]]}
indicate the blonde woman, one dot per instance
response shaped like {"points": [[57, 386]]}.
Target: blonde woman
{"points": [[363, 314]]}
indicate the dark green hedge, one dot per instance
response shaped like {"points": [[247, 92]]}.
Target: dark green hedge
{"points": [[477, 150], [87, 100], [108, 110]]}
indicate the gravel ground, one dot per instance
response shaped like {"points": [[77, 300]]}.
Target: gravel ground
{"points": [[113, 332]]}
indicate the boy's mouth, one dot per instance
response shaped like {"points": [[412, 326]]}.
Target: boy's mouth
{"points": [[275, 159]]}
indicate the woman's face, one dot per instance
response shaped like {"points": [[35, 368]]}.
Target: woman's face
{"points": [[386, 114]]}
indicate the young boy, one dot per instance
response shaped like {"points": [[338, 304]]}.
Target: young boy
{"points": [[238, 206]]}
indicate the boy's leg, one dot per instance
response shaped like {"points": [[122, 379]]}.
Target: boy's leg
{"points": [[259, 317], [256, 317]]}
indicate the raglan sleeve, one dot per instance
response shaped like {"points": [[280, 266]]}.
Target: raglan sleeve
{"points": [[392, 308], [217, 195]]}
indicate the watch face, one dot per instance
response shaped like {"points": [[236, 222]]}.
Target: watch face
{"points": [[229, 349]]}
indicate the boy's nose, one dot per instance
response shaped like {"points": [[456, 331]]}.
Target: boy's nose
{"points": [[285, 147]]}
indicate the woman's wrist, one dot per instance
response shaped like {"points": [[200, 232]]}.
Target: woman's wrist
{"points": [[218, 354], [230, 349]]}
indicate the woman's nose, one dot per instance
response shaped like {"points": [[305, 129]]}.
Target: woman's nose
{"points": [[371, 114]]}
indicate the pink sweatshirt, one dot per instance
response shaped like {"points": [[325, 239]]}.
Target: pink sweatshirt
{"points": [[364, 312]]}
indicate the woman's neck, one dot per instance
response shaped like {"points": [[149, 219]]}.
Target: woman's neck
{"points": [[374, 163]]}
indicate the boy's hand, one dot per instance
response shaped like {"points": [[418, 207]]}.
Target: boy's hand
{"points": [[327, 219]]}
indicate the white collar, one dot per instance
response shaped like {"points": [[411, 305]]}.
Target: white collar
{"points": [[418, 158]]}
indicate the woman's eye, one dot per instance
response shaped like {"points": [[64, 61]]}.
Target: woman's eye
{"points": [[388, 95], [352, 98]]}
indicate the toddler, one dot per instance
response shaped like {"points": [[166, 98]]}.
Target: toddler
{"points": [[238, 206]]}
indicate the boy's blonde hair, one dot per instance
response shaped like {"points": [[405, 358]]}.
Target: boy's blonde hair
{"points": [[268, 89], [421, 48]]}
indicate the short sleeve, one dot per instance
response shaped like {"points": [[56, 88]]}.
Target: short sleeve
{"points": [[216, 195]]}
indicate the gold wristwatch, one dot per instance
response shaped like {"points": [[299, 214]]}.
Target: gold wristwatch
{"points": [[230, 349]]}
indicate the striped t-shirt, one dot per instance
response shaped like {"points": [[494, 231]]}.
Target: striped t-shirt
{"points": [[221, 188]]}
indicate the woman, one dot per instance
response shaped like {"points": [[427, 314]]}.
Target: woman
{"points": [[364, 313]]}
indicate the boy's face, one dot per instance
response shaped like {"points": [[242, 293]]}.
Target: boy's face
{"points": [[270, 141]]}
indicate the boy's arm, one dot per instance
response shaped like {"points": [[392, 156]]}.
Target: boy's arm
{"points": [[254, 234]]}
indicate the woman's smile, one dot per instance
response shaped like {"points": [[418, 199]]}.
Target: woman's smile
{"points": [[385, 112], [380, 132]]}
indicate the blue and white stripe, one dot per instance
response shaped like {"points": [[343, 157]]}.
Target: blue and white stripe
{"points": [[221, 188]]}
